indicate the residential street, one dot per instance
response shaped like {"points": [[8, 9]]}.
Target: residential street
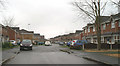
{"points": [[47, 55]]}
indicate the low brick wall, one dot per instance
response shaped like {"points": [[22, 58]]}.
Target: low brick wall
{"points": [[103, 46], [90, 46], [116, 46]]}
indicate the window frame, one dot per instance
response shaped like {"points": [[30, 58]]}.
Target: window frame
{"points": [[88, 29], [93, 28], [85, 31], [113, 24], [104, 26]]}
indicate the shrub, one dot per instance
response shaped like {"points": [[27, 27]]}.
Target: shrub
{"points": [[7, 45]]}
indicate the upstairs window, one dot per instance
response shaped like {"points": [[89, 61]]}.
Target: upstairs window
{"points": [[93, 29], [88, 29], [104, 26], [85, 30], [112, 25]]}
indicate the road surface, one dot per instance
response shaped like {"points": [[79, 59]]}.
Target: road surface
{"points": [[47, 55]]}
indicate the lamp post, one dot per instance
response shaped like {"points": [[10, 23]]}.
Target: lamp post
{"points": [[28, 26]]}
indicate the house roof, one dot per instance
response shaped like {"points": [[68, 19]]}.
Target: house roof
{"points": [[36, 34], [104, 18], [78, 31], [15, 28], [116, 16], [25, 31]]}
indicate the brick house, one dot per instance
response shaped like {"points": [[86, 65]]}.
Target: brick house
{"points": [[42, 38], [37, 37], [26, 34], [11, 33], [3, 33], [78, 35], [110, 30], [69, 37], [17, 35]]}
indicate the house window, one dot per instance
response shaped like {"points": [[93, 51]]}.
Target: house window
{"points": [[85, 30], [104, 26], [88, 29], [93, 29], [112, 25]]}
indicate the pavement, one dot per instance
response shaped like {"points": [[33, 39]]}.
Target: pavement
{"points": [[9, 54], [98, 57]]}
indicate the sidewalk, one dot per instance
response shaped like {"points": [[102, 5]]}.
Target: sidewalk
{"points": [[94, 56], [99, 57], [7, 54]]}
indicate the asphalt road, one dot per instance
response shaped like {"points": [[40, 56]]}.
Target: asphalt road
{"points": [[47, 55]]}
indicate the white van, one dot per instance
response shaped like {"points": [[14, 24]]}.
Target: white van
{"points": [[48, 43]]}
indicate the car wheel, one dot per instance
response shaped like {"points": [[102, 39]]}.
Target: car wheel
{"points": [[30, 48], [21, 49]]}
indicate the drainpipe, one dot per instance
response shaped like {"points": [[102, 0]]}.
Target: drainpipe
{"points": [[83, 46], [15, 35]]}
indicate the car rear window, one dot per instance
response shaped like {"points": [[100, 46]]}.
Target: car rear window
{"points": [[26, 42]]}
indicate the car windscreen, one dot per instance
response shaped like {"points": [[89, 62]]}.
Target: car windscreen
{"points": [[11, 41], [47, 42], [26, 42]]}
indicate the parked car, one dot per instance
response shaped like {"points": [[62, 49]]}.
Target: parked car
{"points": [[77, 44], [48, 43], [26, 44], [18, 43], [13, 42], [41, 43], [68, 43], [56, 42], [61, 43]]}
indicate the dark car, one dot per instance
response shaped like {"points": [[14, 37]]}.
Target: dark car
{"points": [[41, 43], [68, 43], [77, 44], [26, 44], [61, 43]]}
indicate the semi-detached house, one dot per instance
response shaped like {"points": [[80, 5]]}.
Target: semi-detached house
{"points": [[110, 30], [3, 34]]}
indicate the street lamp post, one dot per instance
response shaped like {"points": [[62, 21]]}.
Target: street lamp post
{"points": [[28, 26]]}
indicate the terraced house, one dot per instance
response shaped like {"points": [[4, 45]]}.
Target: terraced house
{"points": [[110, 30], [26, 34], [18, 34], [4, 36], [37, 37]]}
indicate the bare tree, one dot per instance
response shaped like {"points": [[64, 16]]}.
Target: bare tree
{"points": [[92, 9], [116, 2], [2, 4], [8, 21]]}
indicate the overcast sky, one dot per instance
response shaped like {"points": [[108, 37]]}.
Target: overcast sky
{"points": [[47, 17]]}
